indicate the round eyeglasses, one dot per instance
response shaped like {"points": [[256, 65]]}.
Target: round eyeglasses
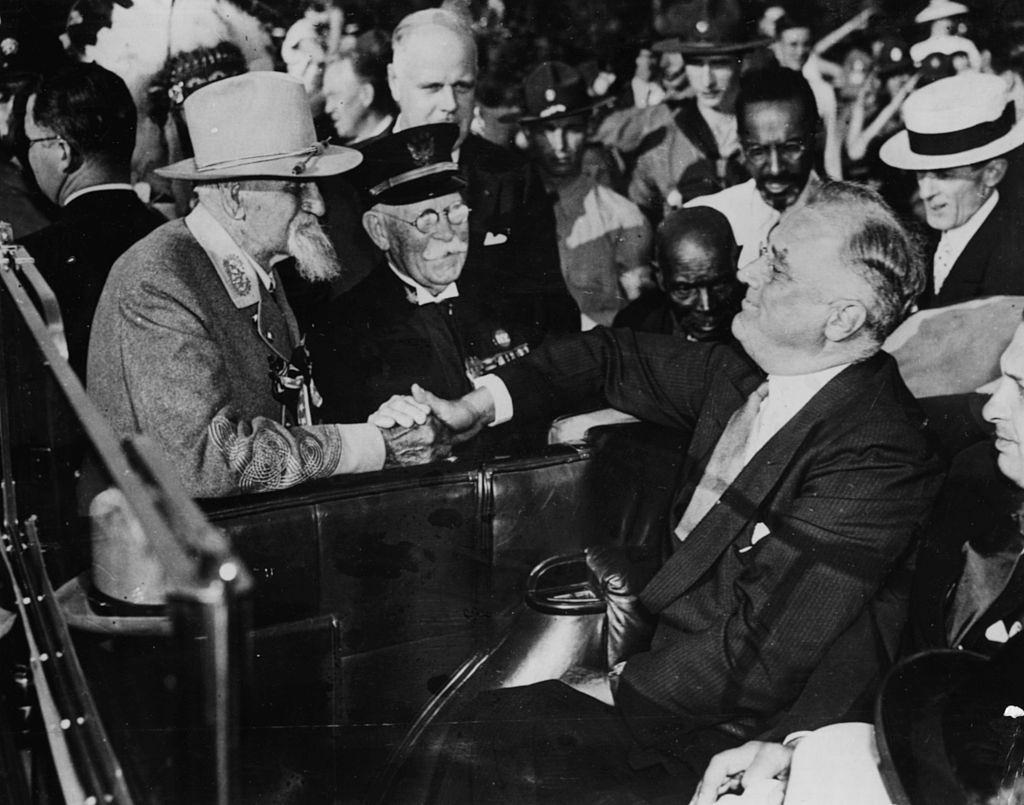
{"points": [[428, 220]]}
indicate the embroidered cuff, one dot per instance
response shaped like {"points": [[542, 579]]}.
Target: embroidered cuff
{"points": [[503, 409], [362, 448]]}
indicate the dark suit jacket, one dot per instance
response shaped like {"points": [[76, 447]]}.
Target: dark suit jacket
{"points": [[513, 264], [373, 342], [977, 505], [754, 639], [992, 263], [75, 254]]}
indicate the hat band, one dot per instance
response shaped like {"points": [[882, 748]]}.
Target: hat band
{"points": [[306, 154], [955, 142], [410, 176]]}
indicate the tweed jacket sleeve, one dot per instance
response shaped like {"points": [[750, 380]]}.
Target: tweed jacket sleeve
{"points": [[186, 381]]}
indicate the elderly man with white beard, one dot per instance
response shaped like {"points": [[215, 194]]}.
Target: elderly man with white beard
{"points": [[194, 342], [412, 320]]}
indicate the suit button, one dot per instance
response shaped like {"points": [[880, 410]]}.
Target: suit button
{"points": [[270, 336]]}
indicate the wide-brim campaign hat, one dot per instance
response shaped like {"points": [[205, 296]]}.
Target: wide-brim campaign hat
{"points": [[410, 165], [256, 125], [955, 121], [940, 10], [556, 91], [950, 724], [710, 28]]}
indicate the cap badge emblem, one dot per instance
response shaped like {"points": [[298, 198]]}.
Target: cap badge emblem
{"points": [[421, 148], [9, 46], [237, 275], [702, 26], [549, 94]]}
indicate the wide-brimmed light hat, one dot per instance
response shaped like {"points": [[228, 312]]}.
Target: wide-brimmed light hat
{"points": [[956, 121], [256, 125], [940, 10]]}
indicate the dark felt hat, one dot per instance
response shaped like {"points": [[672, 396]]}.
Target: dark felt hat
{"points": [[554, 91], [950, 726], [708, 28], [409, 166]]}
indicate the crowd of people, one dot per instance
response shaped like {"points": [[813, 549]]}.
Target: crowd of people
{"points": [[403, 242]]}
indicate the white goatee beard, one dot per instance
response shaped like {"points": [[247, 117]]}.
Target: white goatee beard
{"points": [[315, 257]]}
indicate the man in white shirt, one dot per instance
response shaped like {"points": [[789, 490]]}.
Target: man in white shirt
{"points": [[777, 126], [958, 131], [776, 602]]}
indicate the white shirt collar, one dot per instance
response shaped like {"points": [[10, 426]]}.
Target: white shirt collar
{"points": [[96, 188], [787, 395], [228, 258], [423, 295], [954, 241]]}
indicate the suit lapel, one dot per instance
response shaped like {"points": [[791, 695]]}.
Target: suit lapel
{"points": [[968, 271], [744, 499]]}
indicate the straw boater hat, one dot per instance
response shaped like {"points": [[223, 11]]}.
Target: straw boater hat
{"points": [[256, 125], [717, 28], [956, 121], [940, 10], [555, 91]]}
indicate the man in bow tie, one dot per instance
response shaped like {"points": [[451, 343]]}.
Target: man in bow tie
{"points": [[780, 597], [194, 342], [411, 320]]}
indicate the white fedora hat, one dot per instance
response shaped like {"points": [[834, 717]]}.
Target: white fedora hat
{"points": [[956, 121], [256, 125]]}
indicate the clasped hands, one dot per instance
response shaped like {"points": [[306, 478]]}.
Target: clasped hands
{"points": [[421, 427]]}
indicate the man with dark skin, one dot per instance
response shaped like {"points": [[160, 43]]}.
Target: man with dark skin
{"points": [[699, 292], [777, 122]]}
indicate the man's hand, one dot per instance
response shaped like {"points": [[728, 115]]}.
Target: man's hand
{"points": [[419, 443], [628, 625], [747, 765], [464, 417]]}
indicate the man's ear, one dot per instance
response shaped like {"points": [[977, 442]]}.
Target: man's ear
{"points": [[376, 228], [231, 199], [366, 94], [393, 80], [69, 160], [845, 319], [994, 171]]}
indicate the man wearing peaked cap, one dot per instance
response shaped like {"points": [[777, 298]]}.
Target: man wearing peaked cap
{"points": [[193, 315], [604, 241], [411, 320], [958, 131], [699, 152]]}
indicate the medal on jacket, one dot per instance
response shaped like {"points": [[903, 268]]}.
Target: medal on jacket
{"points": [[293, 384]]}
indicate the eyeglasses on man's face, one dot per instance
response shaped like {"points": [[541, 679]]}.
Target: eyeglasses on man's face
{"points": [[33, 140], [428, 220], [789, 151]]}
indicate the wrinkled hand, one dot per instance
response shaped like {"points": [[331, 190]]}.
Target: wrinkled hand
{"points": [[628, 624], [743, 767], [463, 417], [419, 443]]}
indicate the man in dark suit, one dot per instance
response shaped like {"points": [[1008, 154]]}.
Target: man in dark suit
{"points": [[781, 599], [411, 320], [513, 249], [958, 133], [80, 126]]}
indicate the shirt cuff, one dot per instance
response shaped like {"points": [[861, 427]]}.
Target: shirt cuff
{"points": [[794, 738], [503, 410], [362, 448]]}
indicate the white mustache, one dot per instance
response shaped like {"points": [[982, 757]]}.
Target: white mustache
{"points": [[439, 249]]}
